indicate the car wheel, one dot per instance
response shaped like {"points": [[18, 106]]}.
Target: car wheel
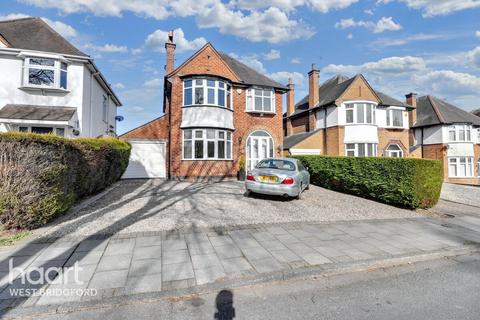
{"points": [[307, 187], [299, 196]]}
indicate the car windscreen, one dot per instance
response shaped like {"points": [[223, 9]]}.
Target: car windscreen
{"points": [[276, 164]]}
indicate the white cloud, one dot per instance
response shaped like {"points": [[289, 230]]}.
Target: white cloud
{"points": [[272, 55], [382, 25], [111, 48], [283, 76], [251, 61], [153, 83], [473, 57], [136, 50], [477, 34], [296, 60], [387, 42], [270, 24], [137, 109], [368, 11], [64, 29], [323, 6], [350, 36], [119, 85], [449, 82], [392, 66], [432, 8], [156, 41]]}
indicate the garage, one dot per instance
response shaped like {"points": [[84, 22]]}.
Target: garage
{"points": [[147, 160]]}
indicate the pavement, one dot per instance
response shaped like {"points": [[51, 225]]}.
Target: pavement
{"points": [[157, 205], [442, 289], [172, 263]]}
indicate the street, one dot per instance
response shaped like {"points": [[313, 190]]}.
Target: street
{"points": [[441, 289]]}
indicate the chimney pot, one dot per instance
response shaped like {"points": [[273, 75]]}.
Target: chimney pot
{"points": [[290, 97], [170, 49], [313, 94]]}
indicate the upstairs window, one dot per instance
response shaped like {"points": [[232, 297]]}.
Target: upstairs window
{"points": [[460, 133], [360, 113], [394, 118], [45, 73], [207, 92], [260, 100]]}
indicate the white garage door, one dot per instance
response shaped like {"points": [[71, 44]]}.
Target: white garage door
{"points": [[147, 160]]}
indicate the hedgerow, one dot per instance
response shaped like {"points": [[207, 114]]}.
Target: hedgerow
{"points": [[42, 176], [410, 183]]}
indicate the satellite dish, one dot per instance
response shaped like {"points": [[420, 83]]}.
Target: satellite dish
{"points": [[119, 118]]}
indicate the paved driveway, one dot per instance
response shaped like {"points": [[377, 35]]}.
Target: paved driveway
{"points": [[159, 205]]}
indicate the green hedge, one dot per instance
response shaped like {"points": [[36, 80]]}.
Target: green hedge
{"points": [[42, 176], [410, 183]]}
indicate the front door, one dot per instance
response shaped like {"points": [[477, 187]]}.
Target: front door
{"points": [[259, 147]]}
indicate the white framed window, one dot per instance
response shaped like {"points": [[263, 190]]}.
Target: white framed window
{"points": [[59, 131], [460, 167], [105, 108], [261, 100], [207, 92], [394, 151], [460, 133], [45, 73], [207, 144], [394, 118], [360, 113], [361, 149], [478, 167]]}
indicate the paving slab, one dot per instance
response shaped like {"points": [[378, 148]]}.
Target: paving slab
{"points": [[144, 267], [109, 279], [178, 271]]}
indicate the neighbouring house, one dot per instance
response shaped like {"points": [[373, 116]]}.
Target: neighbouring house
{"points": [[49, 86], [345, 117], [442, 131], [476, 112], [217, 111]]}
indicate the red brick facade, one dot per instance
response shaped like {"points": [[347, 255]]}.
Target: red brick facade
{"points": [[207, 61]]}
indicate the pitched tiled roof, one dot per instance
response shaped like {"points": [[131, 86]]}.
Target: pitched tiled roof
{"points": [[248, 75], [389, 101], [476, 112], [35, 34], [294, 139], [432, 111], [31, 112]]}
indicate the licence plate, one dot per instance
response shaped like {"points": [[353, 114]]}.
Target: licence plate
{"points": [[268, 179]]}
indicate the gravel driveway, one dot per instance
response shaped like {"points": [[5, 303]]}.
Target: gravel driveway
{"points": [[158, 205]]}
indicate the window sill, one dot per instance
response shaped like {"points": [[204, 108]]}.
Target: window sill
{"points": [[44, 89], [207, 159], [460, 142], [207, 105], [362, 124], [260, 112]]}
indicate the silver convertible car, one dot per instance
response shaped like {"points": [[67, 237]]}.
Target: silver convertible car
{"points": [[278, 176]]}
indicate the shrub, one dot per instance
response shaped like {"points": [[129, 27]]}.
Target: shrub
{"points": [[411, 183], [42, 176]]}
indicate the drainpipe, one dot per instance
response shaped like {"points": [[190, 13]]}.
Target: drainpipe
{"points": [[421, 135], [325, 131]]}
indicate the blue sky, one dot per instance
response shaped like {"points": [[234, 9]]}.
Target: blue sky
{"points": [[426, 46]]}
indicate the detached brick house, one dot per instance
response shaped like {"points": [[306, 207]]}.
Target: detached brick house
{"points": [[345, 117], [216, 111], [442, 131]]}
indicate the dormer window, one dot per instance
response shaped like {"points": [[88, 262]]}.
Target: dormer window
{"points": [[45, 73], [207, 92], [261, 100]]}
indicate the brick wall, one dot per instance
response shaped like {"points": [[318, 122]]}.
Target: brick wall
{"points": [[209, 62], [389, 136]]}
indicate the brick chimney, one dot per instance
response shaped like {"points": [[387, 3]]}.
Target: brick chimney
{"points": [[170, 49], [412, 101], [313, 95]]}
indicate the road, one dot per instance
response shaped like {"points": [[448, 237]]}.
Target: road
{"points": [[442, 289]]}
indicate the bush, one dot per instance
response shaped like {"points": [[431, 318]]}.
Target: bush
{"points": [[42, 176], [410, 183]]}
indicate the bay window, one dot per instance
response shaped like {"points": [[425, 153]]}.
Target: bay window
{"points": [[260, 100], [361, 149], [207, 92], [207, 144], [360, 113], [394, 118], [460, 133], [460, 167], [45, 73]]}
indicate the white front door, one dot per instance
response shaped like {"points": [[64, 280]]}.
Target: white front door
{"points": [[259, 147]]}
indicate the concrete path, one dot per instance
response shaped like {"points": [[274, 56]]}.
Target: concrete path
{"points": [[167, 261]]}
